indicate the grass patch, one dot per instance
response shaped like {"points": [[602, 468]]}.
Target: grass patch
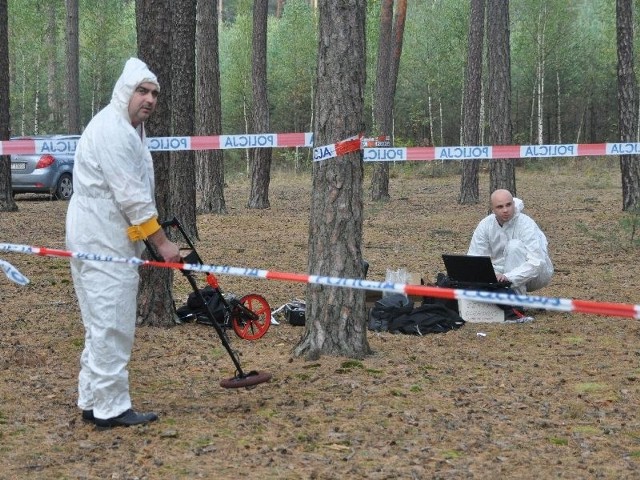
{"points": [[587, 430], [558, 441], [349, 365], [590, 387], [452, 454]]}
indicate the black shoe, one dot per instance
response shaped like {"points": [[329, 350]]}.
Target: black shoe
{"points": [[126, 419], [87, 416]]}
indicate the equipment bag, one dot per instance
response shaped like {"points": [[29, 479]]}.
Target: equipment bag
{"points": [[387, 309], [427, 318], [196, 310]]}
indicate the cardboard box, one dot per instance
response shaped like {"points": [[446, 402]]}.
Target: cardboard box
{"points": [[478, 312]]}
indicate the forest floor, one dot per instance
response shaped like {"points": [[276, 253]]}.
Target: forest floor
{"points": [[557, 397]]}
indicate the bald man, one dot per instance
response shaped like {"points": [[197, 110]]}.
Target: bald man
{"points": [[515, 243]]}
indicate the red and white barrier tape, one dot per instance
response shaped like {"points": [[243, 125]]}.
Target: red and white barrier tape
{"points": [[351, 144], [528, 301], [390, 154]]}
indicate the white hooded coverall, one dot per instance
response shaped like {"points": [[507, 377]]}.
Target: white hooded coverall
{"points": [[113, 187], [518, 249]]}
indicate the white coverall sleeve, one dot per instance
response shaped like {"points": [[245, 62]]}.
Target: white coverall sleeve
{"points": [[128, 171]]}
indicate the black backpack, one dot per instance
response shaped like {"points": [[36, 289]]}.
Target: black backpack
{"points": [[386, 309], [427, 318]]}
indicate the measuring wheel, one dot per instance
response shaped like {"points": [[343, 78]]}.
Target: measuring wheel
{"points": [[251, 317]]}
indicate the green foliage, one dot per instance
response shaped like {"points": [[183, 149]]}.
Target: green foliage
{"points": [[432, 68], [107, 37], [576, 42], [235, 74], [579, 51], [292, 72]]}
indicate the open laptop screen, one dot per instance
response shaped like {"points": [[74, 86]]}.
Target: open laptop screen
{"points": [[469, 269]]}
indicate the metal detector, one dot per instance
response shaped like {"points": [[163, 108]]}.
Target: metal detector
{"points": [[241, 378]]}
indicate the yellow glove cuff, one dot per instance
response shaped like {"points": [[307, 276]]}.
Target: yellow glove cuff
{"points": [[143, 231]]}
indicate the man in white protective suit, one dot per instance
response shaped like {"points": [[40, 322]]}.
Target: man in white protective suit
{"points": [[515, 243], [113, 195]]}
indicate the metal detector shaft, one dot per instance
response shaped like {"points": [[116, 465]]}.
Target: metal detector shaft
{"points": [[214, 322]]}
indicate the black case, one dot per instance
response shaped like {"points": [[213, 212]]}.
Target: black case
{"points": [[295, 315]]}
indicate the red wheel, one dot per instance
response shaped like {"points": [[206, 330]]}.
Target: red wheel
{"points": [[248, 328]]}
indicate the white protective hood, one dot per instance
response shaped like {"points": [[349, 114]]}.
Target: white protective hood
{"points": [[135, 72]]}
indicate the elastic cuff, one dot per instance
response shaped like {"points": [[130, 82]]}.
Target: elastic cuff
{"points": [[143, 231]]}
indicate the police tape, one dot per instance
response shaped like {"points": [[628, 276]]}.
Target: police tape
{"points": [[349, 145], [13, 273], [527, 301], [67, 146]]}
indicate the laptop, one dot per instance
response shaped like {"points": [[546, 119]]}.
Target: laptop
{"points": [[473, 272]]}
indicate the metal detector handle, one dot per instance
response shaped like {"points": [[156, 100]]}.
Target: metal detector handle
{"points": [[193, 256]]}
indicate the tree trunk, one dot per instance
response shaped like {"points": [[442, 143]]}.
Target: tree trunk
{"points": [[396, 52], [502, 172], [209, 163], [558, 110], [540, 71], [382, 102], [469, 188], [183, 81], [389, 53], [336, 318], [6, 197], [260, 172], [73, 68], [53, 96], [627, 99], [155, 300]]}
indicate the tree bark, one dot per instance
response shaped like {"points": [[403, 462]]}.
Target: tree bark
{"points": [[558, 109], [53, 93], [7, 203], [382, 102], [260, 168], [469, 185], [502, 172], [155, 299], [73, 68], [389, 53], [627, 105], [336, 318], [541, 71], [209, 163], [183, 81]]}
